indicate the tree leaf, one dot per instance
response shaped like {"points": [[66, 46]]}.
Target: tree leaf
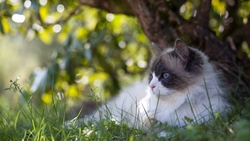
{"points": [[1, 27], [46, 37]]}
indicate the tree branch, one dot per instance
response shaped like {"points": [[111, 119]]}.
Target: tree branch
{"points": [[112, 6], [230, 18], [75, 11], [178, 3], [202, 14], [204, 39], [155, 18]]}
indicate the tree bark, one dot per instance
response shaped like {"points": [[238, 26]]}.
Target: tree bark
{"points": [[162, 24], [112, 6]]}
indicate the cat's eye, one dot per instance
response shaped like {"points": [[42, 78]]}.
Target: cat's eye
{"points": [[165, 75]]}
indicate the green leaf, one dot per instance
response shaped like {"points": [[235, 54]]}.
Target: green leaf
{"points": [[1, 27], [88, 54], [46, 37], [98, 38]]}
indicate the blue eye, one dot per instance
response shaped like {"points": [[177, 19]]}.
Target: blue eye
{"points": [[165, 75]]}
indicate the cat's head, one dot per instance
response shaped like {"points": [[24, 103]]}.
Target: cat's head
{"points": [[175, 69]]}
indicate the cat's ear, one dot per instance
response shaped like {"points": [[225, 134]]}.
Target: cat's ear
{"points": [[157, 48], [181, 49]]}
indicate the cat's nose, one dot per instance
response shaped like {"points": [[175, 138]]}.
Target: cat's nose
{"points": [[152, 86]]}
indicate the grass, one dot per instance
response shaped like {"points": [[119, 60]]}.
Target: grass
{"points": [[26, 122]]}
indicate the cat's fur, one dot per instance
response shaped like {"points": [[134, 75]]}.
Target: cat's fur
{"points": [[182, 85]]}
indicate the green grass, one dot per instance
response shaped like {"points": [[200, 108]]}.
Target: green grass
{"points": [[26, 122]]}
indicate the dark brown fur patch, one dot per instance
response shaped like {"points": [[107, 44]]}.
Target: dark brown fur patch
{"points": [[181, 73]]}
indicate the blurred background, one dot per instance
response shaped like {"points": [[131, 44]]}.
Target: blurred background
{"points": [[20, 58], [60, 49]]}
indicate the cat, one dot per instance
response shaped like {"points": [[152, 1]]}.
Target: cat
{"points": [[182, 88]]}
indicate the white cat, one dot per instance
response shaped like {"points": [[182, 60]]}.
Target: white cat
{"points": [[182, 85]]}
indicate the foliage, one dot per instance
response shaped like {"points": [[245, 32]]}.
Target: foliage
{"points": [[26, 122], [96, 49]]}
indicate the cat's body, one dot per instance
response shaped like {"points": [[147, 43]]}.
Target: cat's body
{"points": [[182, 85]]}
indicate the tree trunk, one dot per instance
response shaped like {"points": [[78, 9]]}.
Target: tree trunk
{"points": [[162, 24]]}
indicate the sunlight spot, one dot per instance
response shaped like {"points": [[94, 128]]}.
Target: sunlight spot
{"points": [[230, 130], [43, 2], [110, 17], [30, 35], [18, 18], [226, 14], [221, 28], [87, 46], [195, 13], [142, 64], [14, 1], [50, 19], [57, 28], [62, 64], [78, 78], [183, 8], [27, 4], [37, 27], [85, 80], [245, 20], [130, 62], [60, 8], [213, 22], [97, 83], [122, 44], [246, 48]]}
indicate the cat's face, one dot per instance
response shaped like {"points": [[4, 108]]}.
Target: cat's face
{"points": [[175, 70]]}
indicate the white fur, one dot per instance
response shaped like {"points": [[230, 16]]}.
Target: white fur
{"points": [[159, 89], [138, 103]]}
